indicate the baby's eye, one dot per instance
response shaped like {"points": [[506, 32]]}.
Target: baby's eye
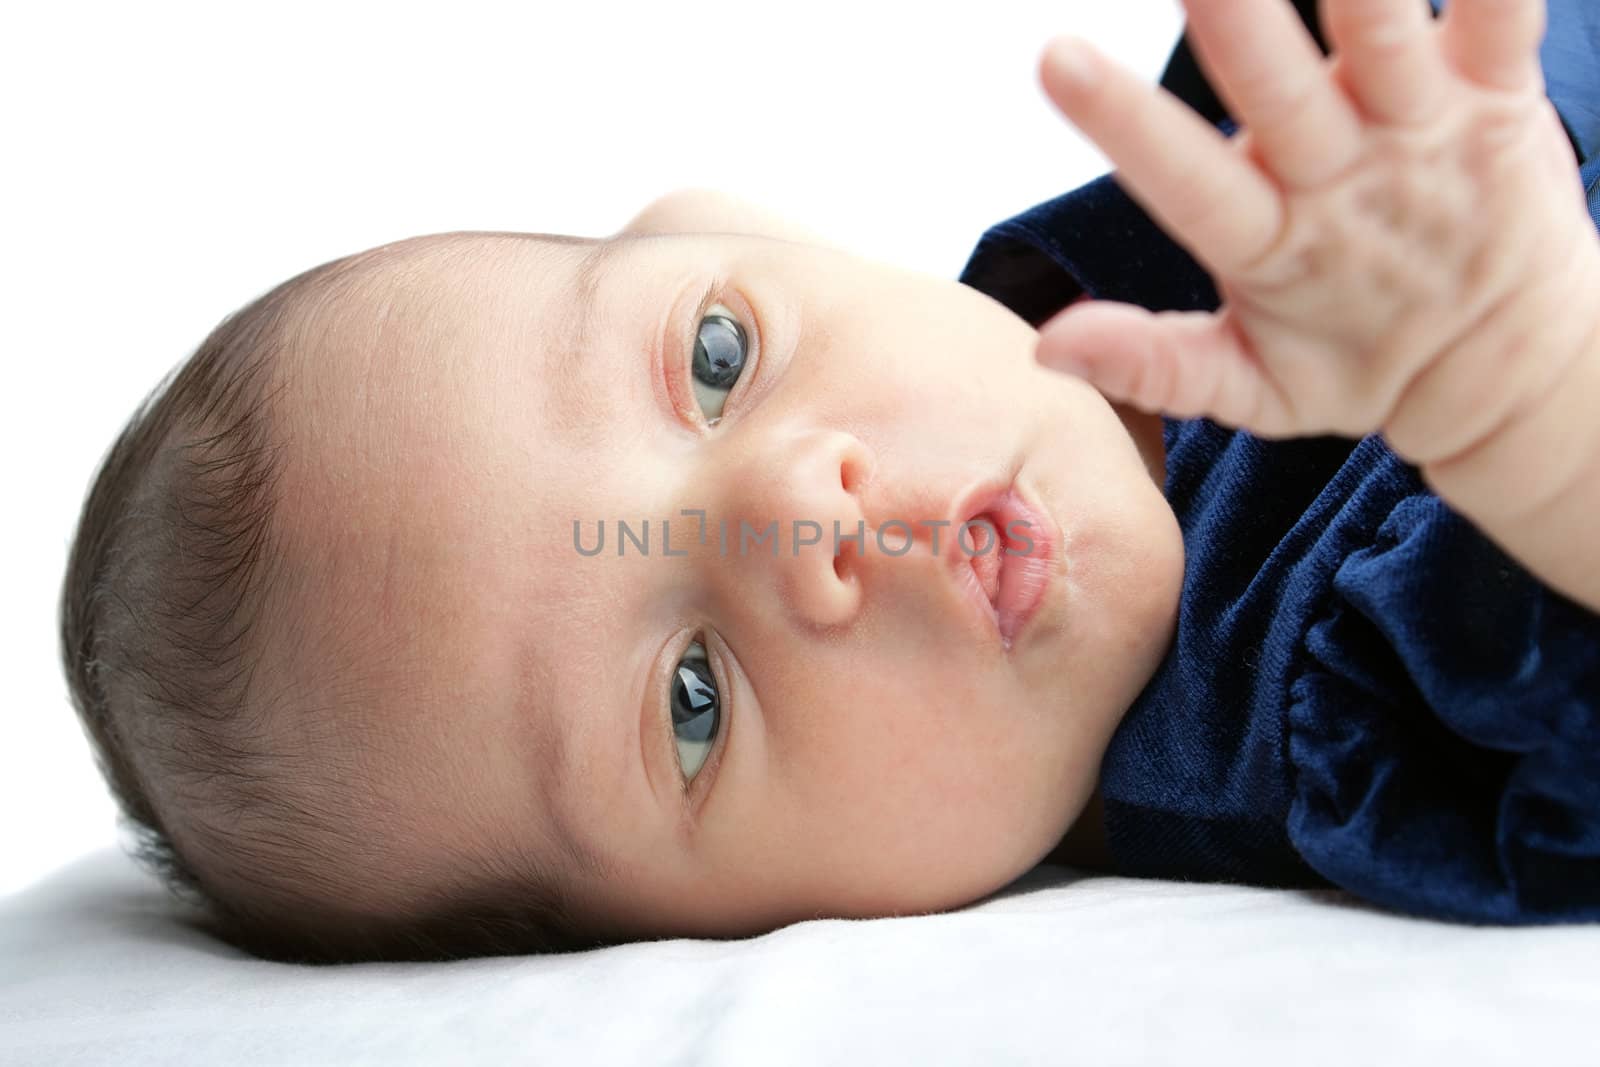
{"points": [[719, 355], [696, 709]]}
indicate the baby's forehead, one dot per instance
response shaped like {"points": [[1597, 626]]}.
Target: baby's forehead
{"points": [[436, 387], [417, 392], [403, 310], [440, 274]]}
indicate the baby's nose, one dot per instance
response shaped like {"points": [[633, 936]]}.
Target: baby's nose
{"points": [[800, 525]]}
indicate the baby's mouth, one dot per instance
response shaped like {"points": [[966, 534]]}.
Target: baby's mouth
{"points": [[1011, 551]]}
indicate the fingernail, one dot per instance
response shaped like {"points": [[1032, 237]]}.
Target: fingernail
{"points": [[1072, 60]]}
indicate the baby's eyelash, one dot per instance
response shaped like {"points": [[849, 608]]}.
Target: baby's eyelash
{"points": [[701, 306], [705, 302]]}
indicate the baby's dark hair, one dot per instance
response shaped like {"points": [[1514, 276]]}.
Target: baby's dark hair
{"points": [[176, 582]]}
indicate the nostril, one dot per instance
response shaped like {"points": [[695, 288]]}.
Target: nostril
{"points": [[856, 468], [845, 569]]}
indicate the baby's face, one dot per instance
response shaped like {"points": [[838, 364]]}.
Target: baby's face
{"points": [[869, 746]]}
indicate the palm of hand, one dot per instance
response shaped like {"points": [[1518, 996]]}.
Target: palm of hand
{"points": [[1382, 229]]}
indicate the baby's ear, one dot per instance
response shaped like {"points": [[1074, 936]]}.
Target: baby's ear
{"points": [[712, 211]]}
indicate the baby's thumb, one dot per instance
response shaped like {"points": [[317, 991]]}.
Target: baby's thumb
{"points": [[1110, 346], [1185, 364]]}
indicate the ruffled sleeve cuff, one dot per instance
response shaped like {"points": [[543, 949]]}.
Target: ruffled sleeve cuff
{"points": [[1444, 730]]}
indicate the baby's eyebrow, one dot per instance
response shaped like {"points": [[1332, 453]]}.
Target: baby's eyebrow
{"points": [[576, 851], [579, 407], [573, 848]]}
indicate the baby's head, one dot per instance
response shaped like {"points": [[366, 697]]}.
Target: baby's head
{"points": [[335, 625]]}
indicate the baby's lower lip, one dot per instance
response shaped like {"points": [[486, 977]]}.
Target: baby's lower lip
{"points": [[1026, 564]]}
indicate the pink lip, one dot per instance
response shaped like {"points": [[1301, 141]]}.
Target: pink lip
{"points": [[1025, 558]]}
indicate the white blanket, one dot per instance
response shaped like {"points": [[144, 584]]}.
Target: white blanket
{"points": [[1061, 967]]}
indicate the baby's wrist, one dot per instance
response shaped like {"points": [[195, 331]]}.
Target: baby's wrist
{"points": [[1541, 445], [1533, 484]]}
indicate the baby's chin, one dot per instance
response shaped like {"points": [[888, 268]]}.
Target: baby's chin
{"points": [[1102, 480]]}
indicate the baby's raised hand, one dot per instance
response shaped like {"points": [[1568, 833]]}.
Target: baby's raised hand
{"points": [[1397, 231]]}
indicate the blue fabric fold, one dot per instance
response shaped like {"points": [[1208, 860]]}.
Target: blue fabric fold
{"points": [[1363, 690], [1444, 735]]}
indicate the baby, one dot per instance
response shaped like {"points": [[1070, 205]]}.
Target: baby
{"points": [[372, 686], [429, 610]]}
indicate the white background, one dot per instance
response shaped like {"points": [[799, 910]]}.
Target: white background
{"points": [[165, 164]]}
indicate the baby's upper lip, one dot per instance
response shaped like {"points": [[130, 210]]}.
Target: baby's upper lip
{"points": [[971, 500], [976, 500], [913, 512]]}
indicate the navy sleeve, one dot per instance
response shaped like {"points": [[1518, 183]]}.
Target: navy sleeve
{"points": [[1444, 730]]}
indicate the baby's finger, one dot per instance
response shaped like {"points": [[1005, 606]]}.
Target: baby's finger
{"points": [[1274, 79], [1495, 42], [1186, 364], [1389, 56], [1180, 169]]}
